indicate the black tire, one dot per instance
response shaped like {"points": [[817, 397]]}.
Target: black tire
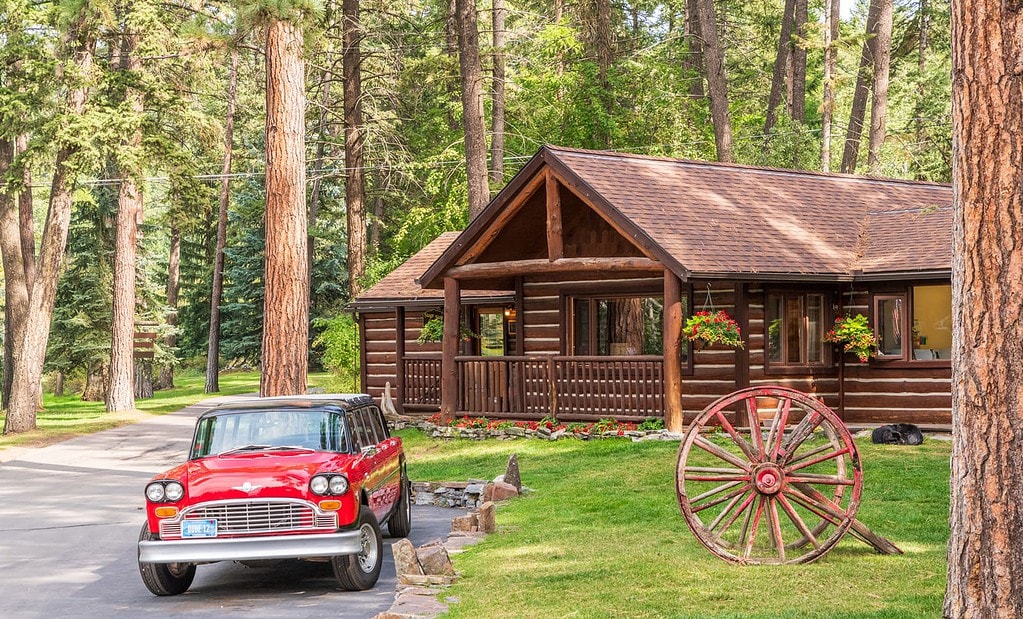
{"points": [[360, 571], [400, 522], [165, 578]]}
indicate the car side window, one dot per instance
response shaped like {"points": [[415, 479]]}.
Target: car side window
{"points": [[357, 430], [379, 422], [371, 428]]}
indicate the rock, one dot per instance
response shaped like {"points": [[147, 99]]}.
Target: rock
{"points": [[435, 560], [502, 491], [487, 518], [488, 493], [476, 489], [405, 560], [511, 473], [467, 524]]}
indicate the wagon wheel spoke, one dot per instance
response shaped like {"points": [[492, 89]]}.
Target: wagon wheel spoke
{"points": [[719, 500], [796, 520], [811, 453], [757, 514], [781, 417], [710, 473], [828, 480], [735, 515], [753, 415], [830, 456], [743, 445], [776, 534], [816, 502], [800, 433], [720, 452]]}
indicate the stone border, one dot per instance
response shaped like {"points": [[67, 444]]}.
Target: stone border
{"points": [[516, 432]]}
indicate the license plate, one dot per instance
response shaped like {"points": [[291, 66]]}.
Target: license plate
{"points": [[199, 528]]}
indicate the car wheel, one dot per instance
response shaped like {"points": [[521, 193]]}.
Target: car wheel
{"points": [[165, 578], [359, 572], [400, 522]]}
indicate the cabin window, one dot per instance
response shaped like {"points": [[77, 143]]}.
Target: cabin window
{"points": [[795, 329], [915, 326], [495, 328], [617, 326]]}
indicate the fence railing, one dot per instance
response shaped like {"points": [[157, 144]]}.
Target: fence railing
{"points": [[568, 388]]}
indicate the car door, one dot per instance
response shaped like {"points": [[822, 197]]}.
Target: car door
{"points": [[389, 459]]}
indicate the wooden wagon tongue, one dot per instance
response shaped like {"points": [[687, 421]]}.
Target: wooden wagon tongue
{"points": [[781, 483]]}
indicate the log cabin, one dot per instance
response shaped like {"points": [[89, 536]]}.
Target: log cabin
{"points": [[566, 296]]}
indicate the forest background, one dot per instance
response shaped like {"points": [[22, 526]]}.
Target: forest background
{"points": [[386, 128]]}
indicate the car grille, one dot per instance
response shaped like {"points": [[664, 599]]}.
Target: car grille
{"points": [[254, 517]]}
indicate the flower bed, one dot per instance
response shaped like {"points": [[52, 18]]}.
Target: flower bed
{"points": [[547, 428]]}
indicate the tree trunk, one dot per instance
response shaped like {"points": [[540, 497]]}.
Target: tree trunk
{"points": [[693, 62], [923, 43], [25, 215], [16, 292], [879, 102], [143, 378], [451, 49], [717, 82], [831, 21], [781, 60], [355, 176], [863, 81], [30, 352], [166, 380], [497, 103], [58, 383], [121, 396], [322, 135], [986, 515], [472, 107], [213, 348], [798, 100], [286, 307], [96, 382]]}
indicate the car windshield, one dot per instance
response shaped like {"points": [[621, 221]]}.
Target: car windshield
{"points": [[252, 431]]}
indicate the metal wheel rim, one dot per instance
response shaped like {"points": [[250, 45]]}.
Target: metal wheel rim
{"points": [[368, 555], [750, 506]]}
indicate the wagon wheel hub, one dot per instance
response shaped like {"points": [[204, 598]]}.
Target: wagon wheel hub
{"points": [[768, 478]]}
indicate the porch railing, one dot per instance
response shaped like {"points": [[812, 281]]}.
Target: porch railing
{"points": [[568, 388]]}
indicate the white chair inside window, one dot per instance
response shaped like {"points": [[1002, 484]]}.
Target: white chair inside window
{"points": [[924, 353]]}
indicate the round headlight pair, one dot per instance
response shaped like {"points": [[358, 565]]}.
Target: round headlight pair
{"points": [[164, 491], [328, 484]]}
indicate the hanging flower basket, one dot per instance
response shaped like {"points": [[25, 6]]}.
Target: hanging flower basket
{"points": [[712, 328], [855, 336]]}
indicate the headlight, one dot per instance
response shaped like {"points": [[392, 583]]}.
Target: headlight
{"points": [[155, 492], [338, 484], [174, 491], [319, 484]]}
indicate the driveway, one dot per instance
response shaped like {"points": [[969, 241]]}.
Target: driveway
{"points": [[70, 515]]}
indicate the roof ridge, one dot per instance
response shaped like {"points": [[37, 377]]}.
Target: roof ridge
{"points": [[742, 166]]}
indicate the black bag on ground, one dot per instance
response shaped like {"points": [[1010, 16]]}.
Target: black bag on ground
{"points": [[898, 434]]}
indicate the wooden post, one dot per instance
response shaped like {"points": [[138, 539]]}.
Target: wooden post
{"points": [[399, 358], [448, 369], [555, 244], [742, 354], [520, 317], [673, 415]]}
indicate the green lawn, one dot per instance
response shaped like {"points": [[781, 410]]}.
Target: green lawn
{"points": [[601, 536], [68, 416]]}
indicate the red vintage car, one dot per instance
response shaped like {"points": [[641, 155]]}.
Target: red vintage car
{"points": [[304, 477]]}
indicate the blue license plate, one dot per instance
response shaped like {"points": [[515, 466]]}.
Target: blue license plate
{"points": [[199, 528]]}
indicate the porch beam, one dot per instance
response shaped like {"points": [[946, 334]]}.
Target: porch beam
{"points": [[555, 241], [561, 265], [672, 316], [449, 342], [399, 357]]}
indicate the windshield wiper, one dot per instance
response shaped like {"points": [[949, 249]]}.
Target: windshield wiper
{"points": [[293, 448], [244, 448]]}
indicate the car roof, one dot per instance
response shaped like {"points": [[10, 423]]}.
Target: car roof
{"points": [[343, 401]]}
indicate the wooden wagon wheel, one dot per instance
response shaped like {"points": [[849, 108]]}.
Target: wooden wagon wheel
{"points": [[781, 485]]}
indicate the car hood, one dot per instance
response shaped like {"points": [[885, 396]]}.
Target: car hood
{"points": [[259, 475]]}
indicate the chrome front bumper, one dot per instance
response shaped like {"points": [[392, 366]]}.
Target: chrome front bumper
{"points": [[250, 548]]}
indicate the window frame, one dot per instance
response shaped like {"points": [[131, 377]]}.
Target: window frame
{"points": [[827, 365], [905, 360]]}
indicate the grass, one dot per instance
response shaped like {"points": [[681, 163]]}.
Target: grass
{"points": [[68, 416], [601, 536]]}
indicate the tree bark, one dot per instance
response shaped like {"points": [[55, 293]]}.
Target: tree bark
{"points": [[29, 353], [798, 47], [213, 348], [472, 107], [322, 135], [863, 80], [166, 379], [286, 307], [717, 82], [781, 60], [879, 101], [693, 62], [497, 99], [355, 175], [923, 43], [121, 396], [831, 20], [16, 293], [986, 516]]}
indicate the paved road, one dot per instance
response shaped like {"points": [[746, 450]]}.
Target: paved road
{"points": [[70, 515]]}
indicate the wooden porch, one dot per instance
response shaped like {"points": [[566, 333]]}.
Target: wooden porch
{"points": [[568, 388]]}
